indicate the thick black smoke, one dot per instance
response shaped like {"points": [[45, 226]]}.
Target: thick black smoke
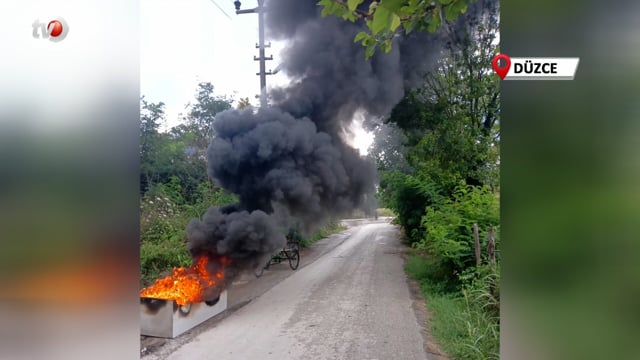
{"points": [[284, 171], [272, 159], [288, 163]]}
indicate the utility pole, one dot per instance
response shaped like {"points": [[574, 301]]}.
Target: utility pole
{"points": [[261, 46]]}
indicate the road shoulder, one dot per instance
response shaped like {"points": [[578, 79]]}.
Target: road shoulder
{"points": [[431, 346]]}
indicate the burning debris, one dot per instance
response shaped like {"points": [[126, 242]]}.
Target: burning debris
{"points": [[187, 285]]}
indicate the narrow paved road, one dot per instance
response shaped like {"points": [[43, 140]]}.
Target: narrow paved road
{"points": [[352, 303]]}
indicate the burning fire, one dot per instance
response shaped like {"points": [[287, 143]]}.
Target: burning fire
{"points": [[185, 285]]}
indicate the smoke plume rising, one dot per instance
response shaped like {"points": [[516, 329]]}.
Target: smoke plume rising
{"points": [[288, 162]]}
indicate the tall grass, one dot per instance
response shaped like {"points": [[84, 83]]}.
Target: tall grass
{"points": [[163, 219], [465, 322]]}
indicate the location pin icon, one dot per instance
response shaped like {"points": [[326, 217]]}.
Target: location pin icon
{"points": [[501, 71]]}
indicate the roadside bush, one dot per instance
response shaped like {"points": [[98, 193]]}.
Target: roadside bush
{"points": [[158, 217], [164, 215], [449, 228], [162, 243], [208, 195], [408, 197]]}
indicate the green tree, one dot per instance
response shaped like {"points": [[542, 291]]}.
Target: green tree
{"points": [[151, 117], [450, 126], [460, 108], [384, 18], [408, 195], [176, 158], [201, 115], [388, 150], [243, 103]]}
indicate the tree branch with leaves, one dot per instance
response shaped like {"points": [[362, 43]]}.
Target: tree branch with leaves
{"points": [[385, 18]]}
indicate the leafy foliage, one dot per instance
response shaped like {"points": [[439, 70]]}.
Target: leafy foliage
{"points": [[164, 217], [384, 18], [448, 234], [450, 123], [243, 103], [388, 151], [198, 124], [451, 132], [408, 196]]}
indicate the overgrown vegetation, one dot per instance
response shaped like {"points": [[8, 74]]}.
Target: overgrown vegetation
{"points": [[164, 216], [448, 230], [465, 323], [444, 181]]}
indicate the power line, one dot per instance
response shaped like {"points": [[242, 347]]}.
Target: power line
{"points": [[219, 8]]}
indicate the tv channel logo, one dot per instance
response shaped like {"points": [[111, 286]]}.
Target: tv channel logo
{"points": [[55, 30]]}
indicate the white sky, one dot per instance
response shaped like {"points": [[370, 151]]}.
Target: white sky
{"points": [[184, 42]]}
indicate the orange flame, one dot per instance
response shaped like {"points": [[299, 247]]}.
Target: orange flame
{"points": [[185, 285]]}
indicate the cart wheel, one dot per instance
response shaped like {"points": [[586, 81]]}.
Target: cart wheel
{"points": [[294, 259]]}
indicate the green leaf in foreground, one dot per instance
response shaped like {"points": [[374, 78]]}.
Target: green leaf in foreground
{"points": [[360, 36], [381, 20], [353, 4], [392, 5], [395, 22]]}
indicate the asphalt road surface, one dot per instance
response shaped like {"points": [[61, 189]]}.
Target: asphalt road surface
{"points": [[351, 303]]}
